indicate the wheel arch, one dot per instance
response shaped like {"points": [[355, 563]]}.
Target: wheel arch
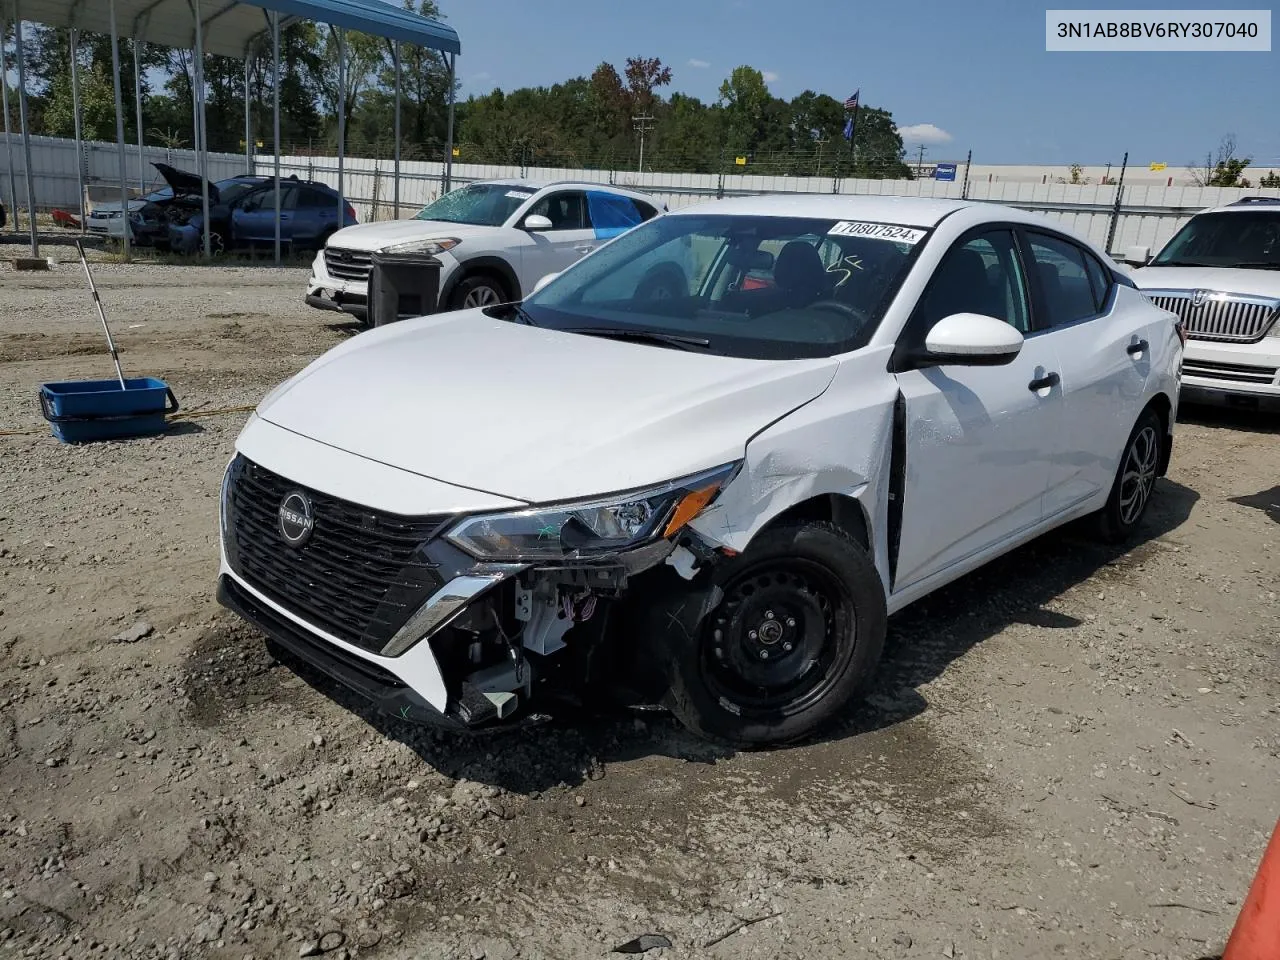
{"points": [[846, 512], [1163, 408], [495, 266]]}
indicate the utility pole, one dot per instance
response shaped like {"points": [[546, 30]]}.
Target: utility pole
{"points": [[642, 125], [818, 171], [920, 163]]}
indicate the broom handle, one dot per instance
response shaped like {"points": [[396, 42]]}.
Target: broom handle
{"points": [[102, 314]]}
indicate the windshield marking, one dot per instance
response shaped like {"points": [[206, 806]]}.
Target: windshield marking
{"points": [[877, 231]]}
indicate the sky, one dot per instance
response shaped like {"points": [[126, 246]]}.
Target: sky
{"points": [[957, 75]]}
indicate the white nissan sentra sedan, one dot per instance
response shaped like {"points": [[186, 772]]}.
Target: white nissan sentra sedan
{"points": [[710, 491]]}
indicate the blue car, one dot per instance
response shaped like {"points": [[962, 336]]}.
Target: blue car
{"points": [[246, 215]]}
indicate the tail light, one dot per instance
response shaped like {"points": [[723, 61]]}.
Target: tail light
{"points": [[351, 211], [1181, 326]]}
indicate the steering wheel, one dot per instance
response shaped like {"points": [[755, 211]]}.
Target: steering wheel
{"points": [[843, 309]]}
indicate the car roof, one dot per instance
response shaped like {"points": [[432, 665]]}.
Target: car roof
{"points": [[531, 184], [907, 211], [910, 211], [1271, 204]]}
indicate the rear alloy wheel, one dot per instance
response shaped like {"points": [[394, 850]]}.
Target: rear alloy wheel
{"points": [[480, 290], [1135, 481], [798, 631]]}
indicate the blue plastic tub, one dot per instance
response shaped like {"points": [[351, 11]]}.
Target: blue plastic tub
{"points": [[83, 410]]}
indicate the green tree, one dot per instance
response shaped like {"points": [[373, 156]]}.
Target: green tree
{"points": [[1223, 168]]}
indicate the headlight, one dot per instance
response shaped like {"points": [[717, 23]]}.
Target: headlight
{"points": [[429, 247], [594, 528]]}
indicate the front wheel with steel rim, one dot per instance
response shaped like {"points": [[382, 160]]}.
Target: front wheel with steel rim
{"points": [[798, 629], [1135, 480], [479, 290]]}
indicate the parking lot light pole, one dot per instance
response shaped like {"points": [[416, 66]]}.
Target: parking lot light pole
{"points": [[248, 122], [26, 128], [4, 104], [203, 156], [275, 115], [137, 100], [448, 137], [342, 115], [395, 54], [75, 119]]}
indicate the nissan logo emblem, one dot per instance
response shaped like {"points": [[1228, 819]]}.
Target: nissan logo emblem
{"points": [[296, 521]]}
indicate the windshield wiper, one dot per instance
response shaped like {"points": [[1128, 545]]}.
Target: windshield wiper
{"points": [[660, 337], [1259, 265], [1183, 263], [523, 315]]}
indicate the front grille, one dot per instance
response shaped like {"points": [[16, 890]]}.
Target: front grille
{"points": [[358, 577], [1237, 372], [348, 264], [1221, 317]]}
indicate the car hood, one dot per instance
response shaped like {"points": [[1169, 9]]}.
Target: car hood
{"points": [[533, 414], [383, 233], [183, 183], [135, 204], [1251, 282]]}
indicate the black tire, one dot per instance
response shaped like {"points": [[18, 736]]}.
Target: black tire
{"points": [[664, 282], [815, 591], [485, 289], [1135, 481]]}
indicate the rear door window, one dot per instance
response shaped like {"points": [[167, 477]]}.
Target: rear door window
{"points": [[1065, 286]]}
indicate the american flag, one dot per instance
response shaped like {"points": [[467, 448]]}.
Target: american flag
{"points": [[852, 102]]}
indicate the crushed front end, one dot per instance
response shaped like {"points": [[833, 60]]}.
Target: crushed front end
{"points": [[467, 620]]}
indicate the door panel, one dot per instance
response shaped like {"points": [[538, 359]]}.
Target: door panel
{"points": [[979, 441], [569, 239], [1103, 379], [259, 222], [978, 456]]}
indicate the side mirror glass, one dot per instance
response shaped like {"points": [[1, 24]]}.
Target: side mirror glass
{"points": [[537, 222], [544, 281], [972, 339], [1137, 255]]}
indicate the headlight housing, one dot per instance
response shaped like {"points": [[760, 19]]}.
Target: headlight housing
{"points": [[430, 247], [594, 528]]}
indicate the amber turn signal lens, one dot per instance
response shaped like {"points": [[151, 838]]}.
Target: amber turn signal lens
{"points": [[688, 508]]}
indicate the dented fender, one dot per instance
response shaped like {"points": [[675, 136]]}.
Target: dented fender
{"points": [[840, 443]]}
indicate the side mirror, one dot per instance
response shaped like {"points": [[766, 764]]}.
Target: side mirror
{"points": [[544, 281], [536, 222], [972, 339], [1138, 256]]}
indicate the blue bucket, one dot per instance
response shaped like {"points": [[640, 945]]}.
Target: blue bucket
{"points": [[84, 410]]}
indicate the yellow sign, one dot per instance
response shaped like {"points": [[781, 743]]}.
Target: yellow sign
{"points": [[1158, 166], [740, 161], [457, 152]]}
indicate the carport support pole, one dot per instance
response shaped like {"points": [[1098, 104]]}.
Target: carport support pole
{"points": [[137, 103], [75, 117], [4, 104], [448, 137], [248, 124], [342, 115], [203, 127], [395, 54], [26, 128], [275, 115]]}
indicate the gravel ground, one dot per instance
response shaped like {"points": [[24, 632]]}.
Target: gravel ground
{"points": [[1071, 753]]}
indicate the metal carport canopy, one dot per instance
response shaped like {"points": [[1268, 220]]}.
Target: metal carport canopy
{"points": [[232, 26]]}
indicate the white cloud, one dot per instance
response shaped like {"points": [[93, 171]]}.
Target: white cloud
{"points": [[770, 76], [924, 133], [479, 77], [699, 64]]}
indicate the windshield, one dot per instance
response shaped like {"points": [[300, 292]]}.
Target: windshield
{"points": [[482, 204], [1246, 239], [774, 288]]}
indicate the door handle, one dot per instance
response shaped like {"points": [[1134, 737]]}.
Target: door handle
{"points": [[1137, 347], [1040, 383], [584, 248]]}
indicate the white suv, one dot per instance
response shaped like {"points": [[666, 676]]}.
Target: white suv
{"points": [[494, 239], [1221, 274]]}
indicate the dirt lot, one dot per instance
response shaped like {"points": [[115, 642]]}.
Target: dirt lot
{"points": [[1074, 753]]}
